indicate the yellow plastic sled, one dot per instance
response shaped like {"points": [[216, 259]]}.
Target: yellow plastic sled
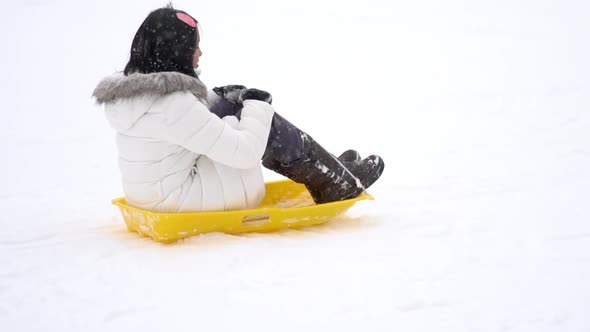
{"points": [[286, 205]]}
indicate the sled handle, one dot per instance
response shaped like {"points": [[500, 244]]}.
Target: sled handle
{"points": [[256, 219]]}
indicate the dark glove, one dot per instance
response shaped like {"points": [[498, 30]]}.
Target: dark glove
{"points": [[256, 94], [230, 93]]}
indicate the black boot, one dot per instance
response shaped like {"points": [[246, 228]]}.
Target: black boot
{"points": [[326, 178], [350, 156], [368, 170]]}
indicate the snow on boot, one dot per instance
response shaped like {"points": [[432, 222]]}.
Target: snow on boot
{"points": [[368, 170], [325, 177]]}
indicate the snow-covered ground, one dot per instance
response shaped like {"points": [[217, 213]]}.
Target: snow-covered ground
{"points": [[481, 110]]}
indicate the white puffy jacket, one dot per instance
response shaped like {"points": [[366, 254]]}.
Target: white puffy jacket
{"points": [[177, 156]]}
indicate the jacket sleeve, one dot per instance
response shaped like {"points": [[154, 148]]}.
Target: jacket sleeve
{"points": [[188, 122]]}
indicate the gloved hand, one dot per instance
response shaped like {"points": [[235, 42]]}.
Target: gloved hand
{"points": [[230, 93], [255, 94]]}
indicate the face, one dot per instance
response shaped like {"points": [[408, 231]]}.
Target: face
{"points": [[198, 52]]}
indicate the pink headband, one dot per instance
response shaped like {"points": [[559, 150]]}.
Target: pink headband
{"points": [[187, 19]]}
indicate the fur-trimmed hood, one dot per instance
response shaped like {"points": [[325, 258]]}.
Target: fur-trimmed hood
{"points": [[118, 86]]}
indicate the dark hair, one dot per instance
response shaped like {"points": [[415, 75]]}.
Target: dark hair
{"points": [[163, 43]]}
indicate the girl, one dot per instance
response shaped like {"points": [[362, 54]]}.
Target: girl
{"points": [[183, 148]]}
